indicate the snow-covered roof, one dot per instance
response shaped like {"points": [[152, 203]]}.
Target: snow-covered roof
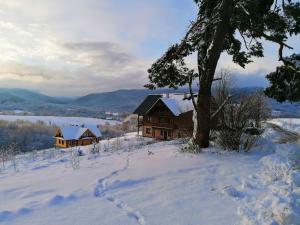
{"points": [[177, 103], [75, 132], [72, 132], [94, 129]]}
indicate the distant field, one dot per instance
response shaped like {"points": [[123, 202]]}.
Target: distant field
{"points": [[59, 121]]}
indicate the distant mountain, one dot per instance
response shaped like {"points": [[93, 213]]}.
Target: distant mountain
{"points": [[116, 100], [95, 105], [16, 95]]}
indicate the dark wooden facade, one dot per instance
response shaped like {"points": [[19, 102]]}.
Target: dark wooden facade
{"points": [[160, 123]]}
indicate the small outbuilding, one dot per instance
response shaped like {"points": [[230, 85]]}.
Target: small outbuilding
{"points": [[75, 135]]}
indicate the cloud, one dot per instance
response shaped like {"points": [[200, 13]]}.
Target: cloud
{"points": [[21, 70], [105, 56], [87, 67], [64, 48]]}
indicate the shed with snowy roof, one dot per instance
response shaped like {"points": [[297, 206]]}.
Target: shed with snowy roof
{"points": [[75, 135]]}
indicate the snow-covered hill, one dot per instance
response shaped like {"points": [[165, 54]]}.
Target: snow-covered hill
{"points": [[139, 181]]}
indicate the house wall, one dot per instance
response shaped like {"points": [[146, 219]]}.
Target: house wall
{"points": [[184, 124], [147, 131], [61, 143], [67, 144]]}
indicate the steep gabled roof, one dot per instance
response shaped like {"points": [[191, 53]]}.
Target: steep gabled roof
{"points": [[178, 106], [75, 132], [176, 103], [149, 101], [94, 129], [72, 132]]}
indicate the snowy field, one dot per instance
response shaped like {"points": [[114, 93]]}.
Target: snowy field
{"points": [[125, 185], [291, 124], [59, 121]]}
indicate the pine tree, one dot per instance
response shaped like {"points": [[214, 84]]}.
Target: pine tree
{"points": [[237, 27]]}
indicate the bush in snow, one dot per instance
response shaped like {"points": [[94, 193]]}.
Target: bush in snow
{"points": [[109, 131], [26, 135], [8, 153], [94, 151], [239, 118], [75, 160], [187, 145], [236, 120]]}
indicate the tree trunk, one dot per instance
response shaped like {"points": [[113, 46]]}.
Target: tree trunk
{"points": [[207, 62], [202, 125]]}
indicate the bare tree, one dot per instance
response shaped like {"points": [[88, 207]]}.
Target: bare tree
{"points": [[13, 151], [3, 155], [238, 117], [75, 160], [261, 110]]}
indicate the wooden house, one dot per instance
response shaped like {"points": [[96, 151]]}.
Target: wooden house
{"points": [[165, 117], [71, 136]]}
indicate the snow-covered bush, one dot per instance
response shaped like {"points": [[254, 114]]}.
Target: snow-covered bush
{"points": [[75, 160], [109, 131], [187, 145], [94, 150], [234, 122], [8, 153], [239, 116], [116, 144], [26, 135]]}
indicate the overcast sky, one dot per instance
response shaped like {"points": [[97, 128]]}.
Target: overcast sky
{"points": [[76, 47]]}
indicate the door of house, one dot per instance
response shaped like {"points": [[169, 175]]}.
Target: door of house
{"points": [[165, 135]]}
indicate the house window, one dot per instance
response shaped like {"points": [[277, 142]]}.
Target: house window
{"points": [[148, 130], [164, 120], [62, 142], [148, 118], [160, 109]]}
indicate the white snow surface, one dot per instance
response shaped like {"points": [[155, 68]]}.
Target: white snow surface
{"points": [[94, 129], [292, 124], [72, 132], [59, 121], [147, 182], [177, 104]]}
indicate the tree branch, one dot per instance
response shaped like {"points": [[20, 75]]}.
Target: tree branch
{"points": [[217, 79], [191, 92], [287, 63], [244, 39], [220, 108]]}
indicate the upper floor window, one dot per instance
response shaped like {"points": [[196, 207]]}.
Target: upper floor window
{"points": [[164, 120], [160, 109]]}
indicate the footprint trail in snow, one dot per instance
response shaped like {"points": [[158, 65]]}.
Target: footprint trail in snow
{"points": [[102, 187]]}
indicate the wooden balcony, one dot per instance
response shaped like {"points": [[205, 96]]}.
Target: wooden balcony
{"points": [[160, 125]]}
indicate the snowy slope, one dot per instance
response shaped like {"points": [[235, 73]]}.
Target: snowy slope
{"points": [[59, 121], [131, 186], [291, 124]]}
